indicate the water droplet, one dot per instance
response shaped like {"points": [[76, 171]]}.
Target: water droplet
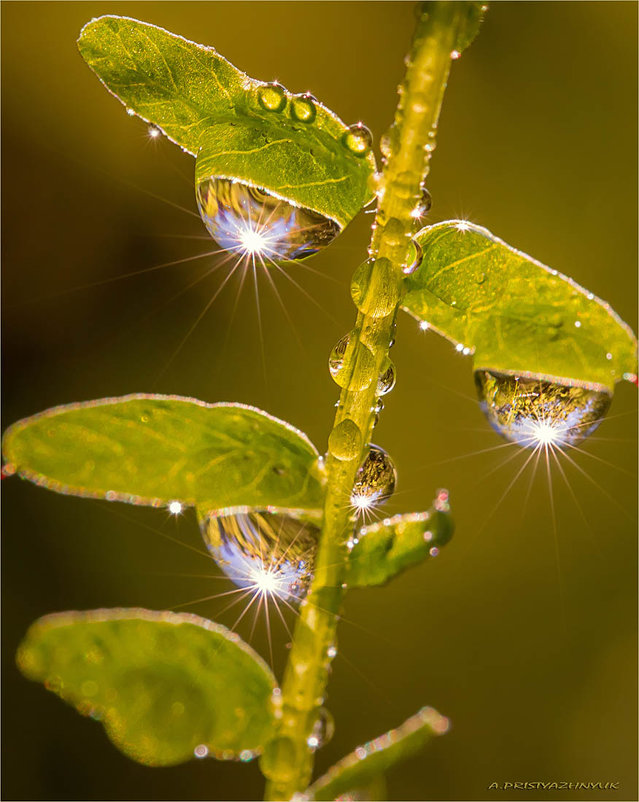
{"points": [[375, 480], [424, 325], [154, 132], [175, 507], [201, 751], [280, 758], [130, 112], [534, 413], [110, 495], [272, 97], [387, 378], [255, 224], [375, 288], [246, 755], [423, 206], [269, 553], [416, 261], [303, 109], [351, 363], [331, 652], [609, 356], [455, 54], [345, 441], [358, 139], [434, 551], [322, 731]]}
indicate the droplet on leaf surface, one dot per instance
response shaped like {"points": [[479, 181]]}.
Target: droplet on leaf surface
{"points": [[272, 97], [254, 223], [535, 412], [269, 553]]}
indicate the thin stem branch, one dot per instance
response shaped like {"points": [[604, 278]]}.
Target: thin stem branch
{"points": [[287, 761]]}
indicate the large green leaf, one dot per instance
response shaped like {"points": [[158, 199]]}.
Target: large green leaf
{"points": [[517, 315], [385, 549], [362, 766], [161, 684], [201, 101], [147, 449]]}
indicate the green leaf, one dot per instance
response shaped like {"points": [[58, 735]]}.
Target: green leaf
{"points": [[517, 315], [387, 548], [161, 684], [151, 449], [201, 101], [364, 764]]}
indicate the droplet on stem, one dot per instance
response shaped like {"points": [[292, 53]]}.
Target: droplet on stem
{"points": [[375, 480]]}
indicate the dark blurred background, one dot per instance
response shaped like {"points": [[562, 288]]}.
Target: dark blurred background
{"points": [[523, 630]]}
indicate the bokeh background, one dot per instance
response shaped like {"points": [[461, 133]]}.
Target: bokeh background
{"points": [[523, 630]]}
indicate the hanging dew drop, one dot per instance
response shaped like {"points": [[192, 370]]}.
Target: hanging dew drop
{"points": [[254, 224], [322, 732], [303, 108], [270, 553], [351, 363], [272, 97], [375, 480], [358, 139], [536, 413], [416, 260], [387, 379], [423, 206]]}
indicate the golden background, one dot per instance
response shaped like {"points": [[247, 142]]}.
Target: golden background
{"points": [[523, 630]]}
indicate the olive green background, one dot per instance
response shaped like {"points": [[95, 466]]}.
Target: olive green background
{"points": [[523, 630]]}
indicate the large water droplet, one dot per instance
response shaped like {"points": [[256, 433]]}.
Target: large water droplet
{"points": [[358, 139], [534, 412], [271, 553], [322, 731], [351, 363], [374, 287], [375, 479], [272, 97], [251, 222], [303, 108]]}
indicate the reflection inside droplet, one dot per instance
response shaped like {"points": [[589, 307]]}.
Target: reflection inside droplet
{"points": [[536, 413], [251, 222], [375, 480], [270, 553]]}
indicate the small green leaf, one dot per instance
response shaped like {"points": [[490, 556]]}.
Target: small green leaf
{"points": [[151, 449], [243, 127], [359, 769], [517, 315], [385, 549], [162, 684]]}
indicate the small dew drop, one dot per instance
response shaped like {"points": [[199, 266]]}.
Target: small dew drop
{"points": [[608, 356], [246, 755], [455, 54], [459, 347], [428, 536], [331, 652], [272, 97], [153, 131], [416, 261], [434, 551], [130, 112], [423, 325], [387, 379], [360, 753], [577, 324], [358, 139], [175, 508], [201, 751], [303, 109]]}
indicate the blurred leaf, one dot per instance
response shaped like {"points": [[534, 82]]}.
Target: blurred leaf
{"points": [[387, 548], [197, 98], [162, 684], [151, 449], [362, 766], [517, 315], [469, 28]]}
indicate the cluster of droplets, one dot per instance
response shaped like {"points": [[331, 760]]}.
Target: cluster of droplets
{"points": [[268, 553], [536, 413], [255, 223]]}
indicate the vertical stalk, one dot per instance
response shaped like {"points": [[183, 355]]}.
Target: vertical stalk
{"points": [[287, 761]]}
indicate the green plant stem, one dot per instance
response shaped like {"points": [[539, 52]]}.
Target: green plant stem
{"points": [[288, 761]]}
